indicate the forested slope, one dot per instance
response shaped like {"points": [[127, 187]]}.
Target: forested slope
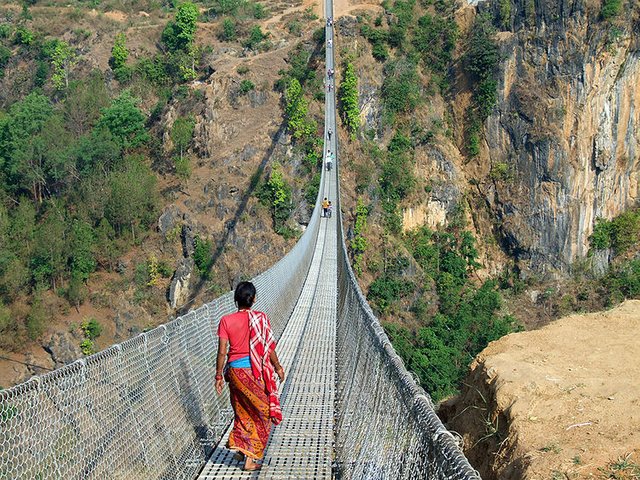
{"points": [[145, 163]]}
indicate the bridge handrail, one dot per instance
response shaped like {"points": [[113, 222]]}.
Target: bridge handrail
{"points": [[376, 394], [146, 405]]}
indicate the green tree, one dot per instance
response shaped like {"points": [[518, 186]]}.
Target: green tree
{"points": [[125, 121], [276, 194], [182, 133], [119, 52], [36, 319], [63, 59], [82, 245], [119, 56], [5, 55], [132, 198], [296, 109], [256, 36], [180, 34], [50, 257], [359, 242], [611, 9], [348, 96]]}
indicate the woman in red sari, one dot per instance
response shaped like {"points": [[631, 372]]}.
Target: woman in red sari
{"points": [[247, 339]]}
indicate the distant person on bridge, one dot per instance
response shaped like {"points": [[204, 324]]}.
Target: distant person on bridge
{"points": [[325, 206], [252, 360]]}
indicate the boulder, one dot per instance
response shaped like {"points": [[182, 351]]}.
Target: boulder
{"points": [[179, 288], [63, 349]]}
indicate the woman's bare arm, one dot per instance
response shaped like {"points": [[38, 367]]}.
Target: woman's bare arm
{"points": [[273, 356], [223, 347]]}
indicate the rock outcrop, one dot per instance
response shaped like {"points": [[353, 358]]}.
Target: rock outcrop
{"points": [[560, 399], [179, 289], [568, 123]]}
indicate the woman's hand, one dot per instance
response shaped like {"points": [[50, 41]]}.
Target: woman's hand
{"points": [[280, 373], [219, 385]]}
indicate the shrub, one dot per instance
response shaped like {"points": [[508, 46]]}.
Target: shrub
{"points": [[610, 9], [256, 37], [246, 86], [229, 33], [202, 256], [87, 347], [400, 88], [91, 328], [348, 96], [276, 194], [24, 36]]}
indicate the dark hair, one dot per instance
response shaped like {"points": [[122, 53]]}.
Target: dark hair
{"points": [[245, 294]]}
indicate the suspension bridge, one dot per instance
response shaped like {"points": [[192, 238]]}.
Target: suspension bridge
{"points": [[147, 408]]}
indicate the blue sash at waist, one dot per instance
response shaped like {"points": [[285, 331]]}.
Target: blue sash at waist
{"points": [[244, 362]]}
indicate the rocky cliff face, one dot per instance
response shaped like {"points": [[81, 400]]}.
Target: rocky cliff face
{"points": [[568, 124]]}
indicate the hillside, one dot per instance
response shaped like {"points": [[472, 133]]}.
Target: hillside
{"points": [[151, 219], [559, 402]]}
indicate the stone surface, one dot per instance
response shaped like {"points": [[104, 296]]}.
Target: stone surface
{"points": [[568, 122], [179, 288], [63, 348]]}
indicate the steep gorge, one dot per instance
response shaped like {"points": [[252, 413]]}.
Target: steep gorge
{"points": [[568, 124]]}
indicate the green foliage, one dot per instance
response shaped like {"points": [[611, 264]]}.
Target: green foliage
{"points": [[229, 33], [182, 133], [400, 88], [311, 190], [255, 39], [119, 52], [299, 61], [63, 59], [5, 30], [359, 242], [124, 120], [467, 321], [203, 256], [348, 97], [296, 110], [276, 194], [621, 233], [132, 201], [378, 39], [435, 39], [623, 281], [91, 328], [24, 36], [5, 55], [246, 86], [87, 347], [482, 58], [82, 240], [180, 34], [504, 7], [36, 319], [610, 9]]}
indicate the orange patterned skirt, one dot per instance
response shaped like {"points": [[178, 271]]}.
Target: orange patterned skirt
{"points": [[251, 423]]}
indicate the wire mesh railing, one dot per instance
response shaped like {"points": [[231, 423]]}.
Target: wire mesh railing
{"points": [[145, 408]]}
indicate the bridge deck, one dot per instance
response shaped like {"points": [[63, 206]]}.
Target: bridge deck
{"points": [[302, 445]]}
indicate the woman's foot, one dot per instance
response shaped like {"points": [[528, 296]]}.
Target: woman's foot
{"points": [[250, 465]]}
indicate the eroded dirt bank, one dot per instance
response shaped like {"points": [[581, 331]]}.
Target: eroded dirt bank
{"points": [[559, 402]]}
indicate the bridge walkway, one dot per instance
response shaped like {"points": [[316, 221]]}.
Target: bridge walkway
{"points": [[302, 445]]}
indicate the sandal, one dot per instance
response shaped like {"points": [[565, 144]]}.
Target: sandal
{"points": [[252, 468], [239, 456]]}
